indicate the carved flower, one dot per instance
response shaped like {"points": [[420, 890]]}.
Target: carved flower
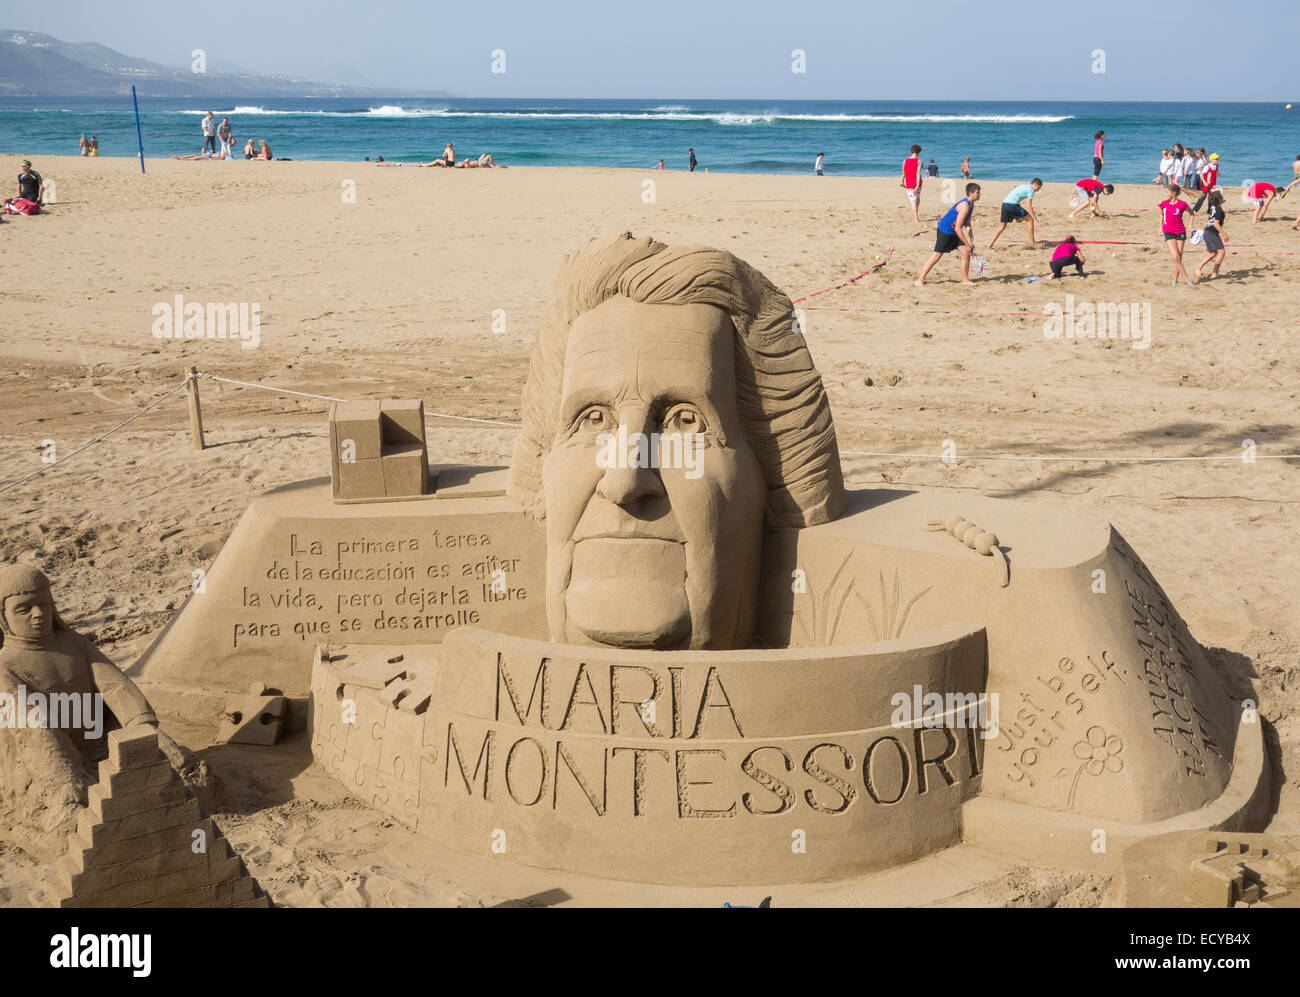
{"points": [[1099, 752]]}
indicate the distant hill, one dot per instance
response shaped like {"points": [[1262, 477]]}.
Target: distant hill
{"points": [[37, 65]]}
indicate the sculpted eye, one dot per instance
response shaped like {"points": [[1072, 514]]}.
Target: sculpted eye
{"points": [[685, 420], [595, 419]]}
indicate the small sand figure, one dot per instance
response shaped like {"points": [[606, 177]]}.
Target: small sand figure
{"points": [[59, 696]]}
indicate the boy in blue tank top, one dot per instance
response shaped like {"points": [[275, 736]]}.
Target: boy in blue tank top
{"points": [[955, 232]]}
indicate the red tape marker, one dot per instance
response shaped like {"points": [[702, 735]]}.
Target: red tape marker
{"points": [[872, 269]]}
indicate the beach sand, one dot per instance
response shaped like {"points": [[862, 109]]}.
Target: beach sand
{"points": [[396, 295]]}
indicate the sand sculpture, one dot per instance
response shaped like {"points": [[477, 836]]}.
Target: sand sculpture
{"points": [[669, 647], [144, 841], [59, 698]]}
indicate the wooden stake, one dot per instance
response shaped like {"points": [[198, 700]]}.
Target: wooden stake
{"points": [[196, 413]]}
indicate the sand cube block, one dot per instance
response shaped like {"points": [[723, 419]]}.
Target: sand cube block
{"points": [[403, 420], [253, 720], [133, 747], [361, 479], [360, 423], [406, 469]]}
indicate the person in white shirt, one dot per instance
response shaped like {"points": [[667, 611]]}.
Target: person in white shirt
{"points": [[817, 166], [209, 135], [1163, 177]]}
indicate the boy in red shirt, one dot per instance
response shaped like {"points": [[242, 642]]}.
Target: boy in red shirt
{"points": [[1262, 194], [1094, 190]]}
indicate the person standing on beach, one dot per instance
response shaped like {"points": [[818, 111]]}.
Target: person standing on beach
{"points": [[955, 231], [1189, 167], [1017, 205], [1209, 180], [1214, 237], [1098, 154], [1162, 176], [1172, 209], [817, 166], [85, 146], [932, 171], [94, 146], [209, 135], [965, 168], [693, 161], [227, 139], [912, 181]]}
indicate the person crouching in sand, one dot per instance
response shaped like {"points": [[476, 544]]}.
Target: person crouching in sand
{"points": [[1017, 205], [1262, 194], [955, 231], [1093, 189], [1067, 254]]}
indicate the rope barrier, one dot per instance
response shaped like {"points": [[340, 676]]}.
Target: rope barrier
{"points": [[331, 398], [102, 436], [264, 387]]}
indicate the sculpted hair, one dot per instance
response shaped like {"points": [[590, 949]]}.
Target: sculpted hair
{"points": [[784, 411]]}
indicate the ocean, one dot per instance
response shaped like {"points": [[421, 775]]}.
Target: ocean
{"points": [[1007, 140]]}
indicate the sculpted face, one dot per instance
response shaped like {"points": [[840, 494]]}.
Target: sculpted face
{"points": [[30, 616], [661, 556]]}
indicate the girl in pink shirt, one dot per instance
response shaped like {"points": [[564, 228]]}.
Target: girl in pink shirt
{"points": [[1098, 154], [1067, 254], [1172, 209]]}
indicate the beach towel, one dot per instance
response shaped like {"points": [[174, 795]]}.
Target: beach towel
{"points": [[21, 206]]}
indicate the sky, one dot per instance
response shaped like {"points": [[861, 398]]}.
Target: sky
{"points": [[719, 49]]}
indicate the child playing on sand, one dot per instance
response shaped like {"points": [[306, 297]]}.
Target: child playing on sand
{"points": [[1172, 228], [955, 231], [1214, 237], [911, 181], [1067, 254], [1094, 189], [1017, 205], [1262, 194]]}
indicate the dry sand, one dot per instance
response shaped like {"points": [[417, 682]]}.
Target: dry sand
{"points": [[394, 295]]}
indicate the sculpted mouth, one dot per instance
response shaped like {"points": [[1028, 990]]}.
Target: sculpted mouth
{"points": [[632, 535]]}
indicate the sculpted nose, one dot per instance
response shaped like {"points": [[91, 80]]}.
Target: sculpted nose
{"points": [[626, 486], [630, 479]]}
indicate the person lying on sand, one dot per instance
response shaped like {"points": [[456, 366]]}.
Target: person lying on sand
{"points": [[471, 163]]}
